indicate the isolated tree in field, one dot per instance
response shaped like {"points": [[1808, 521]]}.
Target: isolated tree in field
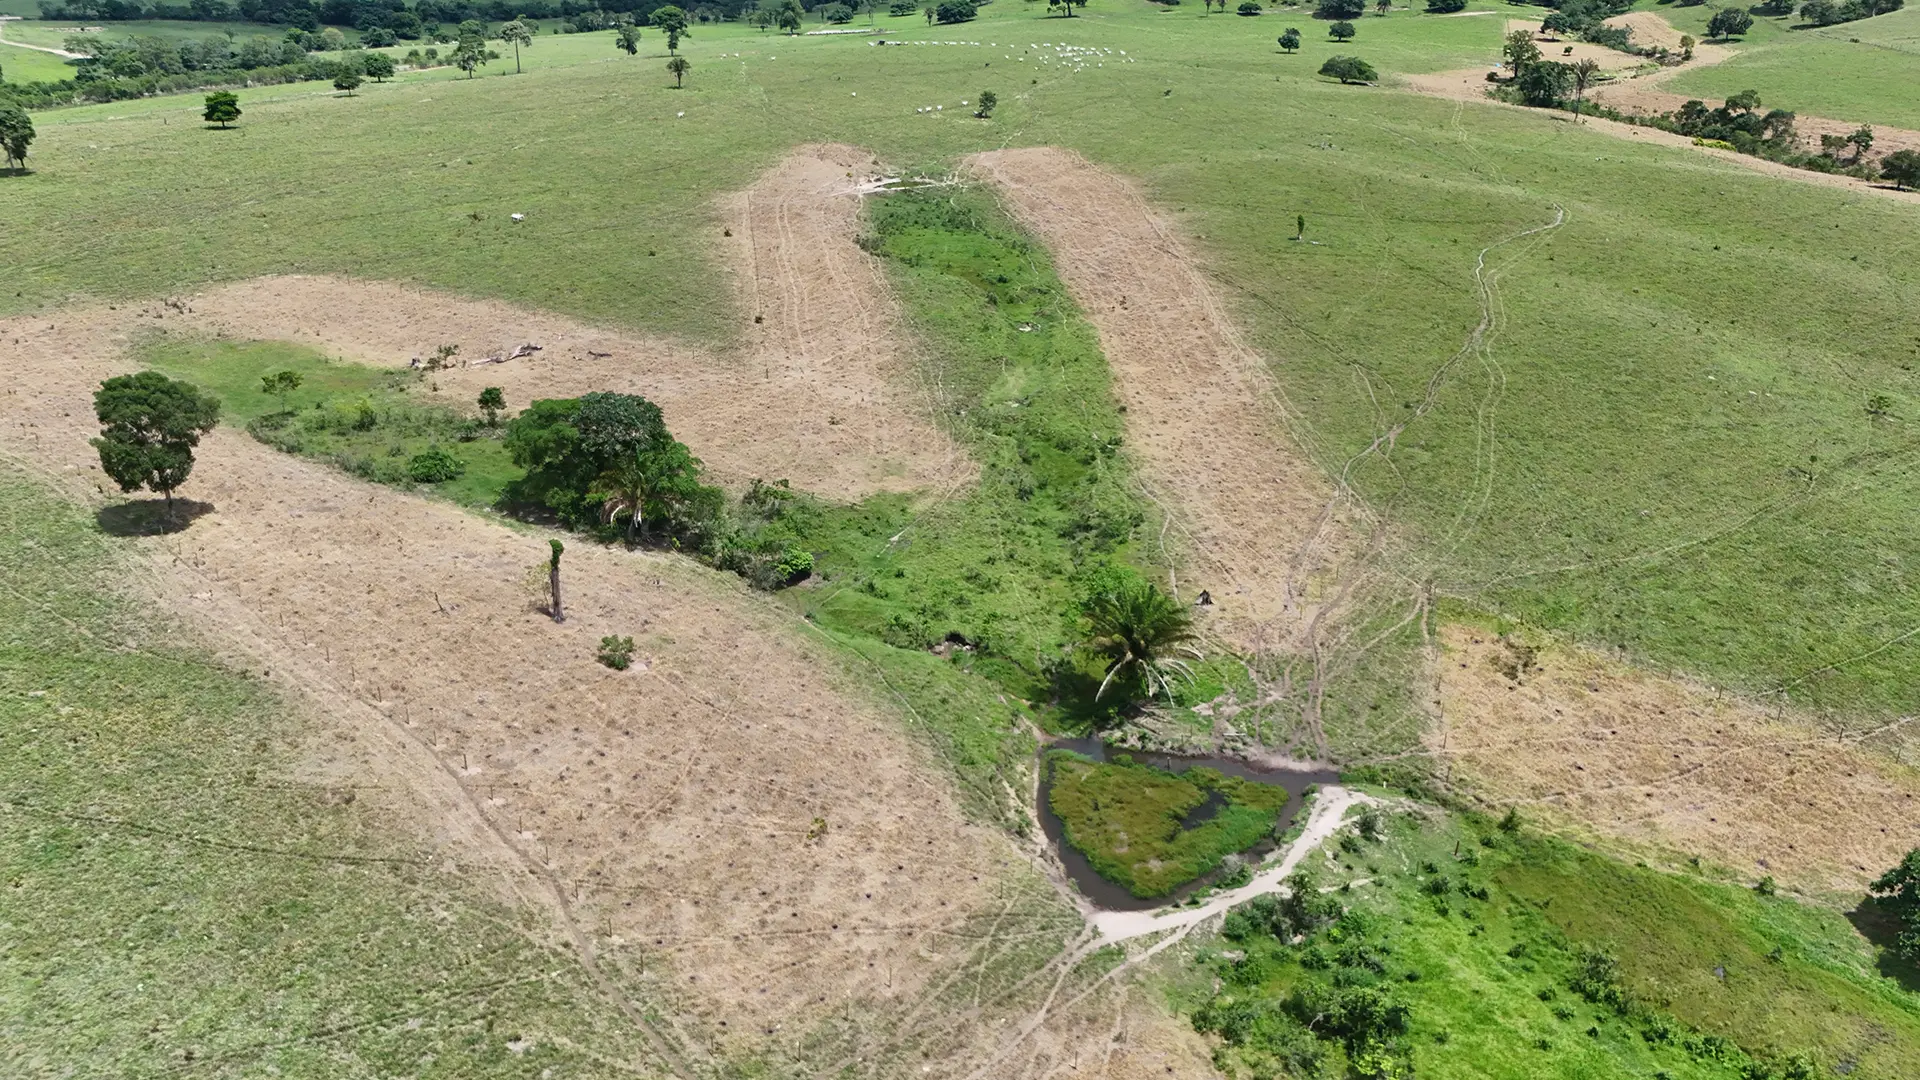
{"points": [[1583, 76], [1381, 7], [628, 38], [1290, 39], [929, 12], [1902, 167], [678, 67], [1686, 47], [1340, 9], [280, 384], [761, 18], [985, 104], [378, 66], [672, 22], [492, 401], [1248, 8], [1141, 631], [517, 33], [222, 107], [789, 18], [16, 133], [1348, 69], [1341, 31], [1520, 50], [1445, 7], [1898, 891], [149, 427], [348, 81], [1729, 22]]}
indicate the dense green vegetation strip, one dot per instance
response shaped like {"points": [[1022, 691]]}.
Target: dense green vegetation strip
{"points": [[1453, 948], [1153, 831], [174, 904]]}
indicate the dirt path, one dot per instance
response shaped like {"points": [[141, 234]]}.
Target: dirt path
{"points": [[1329, 810], [62, 53], [824, 395], [1260, 526], [1469, 86], [1661, 763]]}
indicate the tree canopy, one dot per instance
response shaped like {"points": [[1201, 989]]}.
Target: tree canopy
{"points": [[222, 107], [378, 66], [1902, 167], [1290, 39], [1341, 31], [1729, 22], [627, 38], [672, 22], [1898, 890], [678, 67], [1140, 629], [1349, 69], [517, 33], [150, 425], [16, 133], [1340, 9]]}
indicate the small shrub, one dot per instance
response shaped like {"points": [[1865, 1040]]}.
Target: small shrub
{"points": [[1766, 886], [616, 652], [434, 465], [794, 565], [1349, 69]]}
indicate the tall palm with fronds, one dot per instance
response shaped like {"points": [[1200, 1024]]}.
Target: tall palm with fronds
{"points": [[1141, 630]]}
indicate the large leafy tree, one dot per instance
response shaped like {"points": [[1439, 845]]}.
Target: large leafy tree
{"points": [[1290, 39], [1729, 22], [568, 445], [379, 66], [16, 132], [672, 22], [1142, 632], [627, 38], [1348, 69], [1902, 167], [222, 107], [149, 426]]}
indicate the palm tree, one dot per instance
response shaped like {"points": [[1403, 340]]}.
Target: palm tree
{"points": [[1583, 73], [1139, 628], [678, 66]]}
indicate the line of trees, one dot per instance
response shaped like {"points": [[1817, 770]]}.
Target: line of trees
{"points": [[123, 69]]}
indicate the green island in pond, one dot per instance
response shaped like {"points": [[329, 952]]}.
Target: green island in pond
{"points": [[1130, 820]]}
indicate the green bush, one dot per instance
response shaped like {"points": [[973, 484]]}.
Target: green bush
{"points": [[616, 652], [433, 465]]}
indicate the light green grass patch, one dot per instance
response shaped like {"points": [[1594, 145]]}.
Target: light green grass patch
{"points": [[1153, 831], [1481, 935], [18, 65], [1862, 72], [368, 421]]}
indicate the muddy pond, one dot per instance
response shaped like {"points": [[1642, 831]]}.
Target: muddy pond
{"points": [[1114, 897]]}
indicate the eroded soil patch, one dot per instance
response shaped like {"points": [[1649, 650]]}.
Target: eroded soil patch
{"points": [[1660, 762], [1259, 525]]}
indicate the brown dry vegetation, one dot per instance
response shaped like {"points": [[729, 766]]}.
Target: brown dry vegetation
{"points": [[1665, 764], [1259, 525]]}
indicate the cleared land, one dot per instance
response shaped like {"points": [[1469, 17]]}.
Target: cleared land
{"points": [[1668, 764], [1259, 526]]}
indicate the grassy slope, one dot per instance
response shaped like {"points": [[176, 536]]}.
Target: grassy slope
{"points": [[55, 34], [1479, 1010], [1862, 71], [1671, 268], [176, 905], [19, 65]]}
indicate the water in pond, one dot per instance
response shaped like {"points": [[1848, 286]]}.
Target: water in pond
{"points": [[1113, 897]]}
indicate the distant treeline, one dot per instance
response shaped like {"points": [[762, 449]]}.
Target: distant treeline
{"points": [[409, 23], [122, 69]]}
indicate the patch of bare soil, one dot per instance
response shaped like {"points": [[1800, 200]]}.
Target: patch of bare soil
{"points": [[1667, 764], [666, 809], [824, 395], [1649, 29], [1261, 527], [1568, 51]]}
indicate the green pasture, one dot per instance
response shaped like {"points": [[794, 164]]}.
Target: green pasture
{"points": [[1667, 447], [1483, 935], [18, 65], [1866, 71], [55, 33]]}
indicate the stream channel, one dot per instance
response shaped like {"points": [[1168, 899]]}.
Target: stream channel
{"points": [[1105, 894]]}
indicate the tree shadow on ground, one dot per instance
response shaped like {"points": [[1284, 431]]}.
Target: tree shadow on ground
{"points": [[149, 517], [1882, 927]]}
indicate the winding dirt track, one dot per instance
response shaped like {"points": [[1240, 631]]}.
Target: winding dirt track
{"points": [[1260, 526]]}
